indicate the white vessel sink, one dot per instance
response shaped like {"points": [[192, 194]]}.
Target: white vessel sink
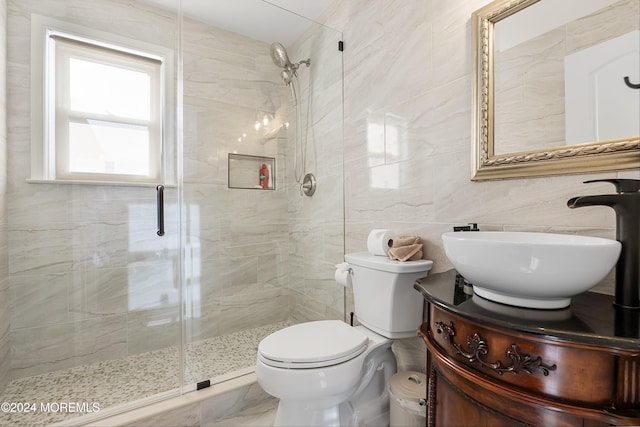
{"points": [[534, 270]]}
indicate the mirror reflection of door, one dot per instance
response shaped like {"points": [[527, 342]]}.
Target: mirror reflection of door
{"points": [[599, 104], [558, 74]]}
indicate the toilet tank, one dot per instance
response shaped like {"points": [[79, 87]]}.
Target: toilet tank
{"points": [[384, 297]]}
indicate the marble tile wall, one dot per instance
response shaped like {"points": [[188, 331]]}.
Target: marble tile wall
{"points": [[407, 134], [266, 256], [316, 224], [237, 239], [5, 316]]}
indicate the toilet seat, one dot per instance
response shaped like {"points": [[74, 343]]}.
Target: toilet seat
{"points": [[312, 345]]}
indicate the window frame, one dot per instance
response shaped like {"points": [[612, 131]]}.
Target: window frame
{"points": [[46, 163]]}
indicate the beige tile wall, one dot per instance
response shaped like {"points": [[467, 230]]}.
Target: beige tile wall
{"points": [[237, 239], [266, 256], [5, 315], [316, 224], [408, 137]]}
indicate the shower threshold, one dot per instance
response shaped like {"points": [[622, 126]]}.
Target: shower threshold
{"points": [[61, 395]]}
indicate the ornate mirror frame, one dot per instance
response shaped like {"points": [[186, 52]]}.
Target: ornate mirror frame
{"points": [[609, 155]]}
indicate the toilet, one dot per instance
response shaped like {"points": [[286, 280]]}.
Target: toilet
{"points": [[328, 373]]}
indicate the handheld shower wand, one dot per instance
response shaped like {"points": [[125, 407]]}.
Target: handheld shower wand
{"points": [[289, 74]]}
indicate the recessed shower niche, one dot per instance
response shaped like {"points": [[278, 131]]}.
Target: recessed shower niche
{"points": [[252, 172]]}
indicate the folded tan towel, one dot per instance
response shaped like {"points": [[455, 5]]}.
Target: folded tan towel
{"points": [[406, 253], [406, 241], [406, 248]]}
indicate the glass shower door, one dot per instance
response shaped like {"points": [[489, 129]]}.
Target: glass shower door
{"points": [[259, 255], [95, 292]]}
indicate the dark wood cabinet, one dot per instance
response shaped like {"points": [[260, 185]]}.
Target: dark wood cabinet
{"points": [[495, 365]]}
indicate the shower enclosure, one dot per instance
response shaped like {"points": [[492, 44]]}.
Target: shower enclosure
{"points": [[99, 310]]}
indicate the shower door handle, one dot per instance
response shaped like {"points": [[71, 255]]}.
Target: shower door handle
{"points": [[160, 209]]}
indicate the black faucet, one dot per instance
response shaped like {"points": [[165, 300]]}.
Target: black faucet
{"points": [[626, 203], [471, 227]]}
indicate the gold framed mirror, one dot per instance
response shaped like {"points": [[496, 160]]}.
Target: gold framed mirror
{"points": [[529, 58]]}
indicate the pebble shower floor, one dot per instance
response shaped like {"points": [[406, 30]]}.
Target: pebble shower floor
{"points": [[113, 382]]}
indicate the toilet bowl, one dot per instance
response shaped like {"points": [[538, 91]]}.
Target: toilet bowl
{"points": [[317, 369], [328, 373]]}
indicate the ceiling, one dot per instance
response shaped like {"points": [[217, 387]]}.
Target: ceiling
{"points": [[264, 20]]}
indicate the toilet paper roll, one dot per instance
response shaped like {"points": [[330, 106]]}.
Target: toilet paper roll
{"points": [[379, 241], [343, 275]]}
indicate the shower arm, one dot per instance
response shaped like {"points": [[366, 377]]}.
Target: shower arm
{"points": [[294, 67]]}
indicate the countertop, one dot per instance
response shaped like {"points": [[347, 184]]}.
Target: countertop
{"points": [[590, 318]]}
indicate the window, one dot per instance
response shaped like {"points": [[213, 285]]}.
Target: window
{"points": [[104, 115]]}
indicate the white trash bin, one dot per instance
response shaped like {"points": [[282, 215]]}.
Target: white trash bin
{"points": [[408, 392]]}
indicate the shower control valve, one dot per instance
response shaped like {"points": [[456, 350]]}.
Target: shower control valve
{"points": [[308, 186]]}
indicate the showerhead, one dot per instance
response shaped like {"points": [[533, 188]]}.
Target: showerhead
{"points": [[281, 59], [279, 55]]}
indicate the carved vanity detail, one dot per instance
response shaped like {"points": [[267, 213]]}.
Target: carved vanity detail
{"points": [[521, 363], [494, 365]]}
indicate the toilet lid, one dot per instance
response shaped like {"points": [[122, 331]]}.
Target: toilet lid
{"points": [[312, 345]]}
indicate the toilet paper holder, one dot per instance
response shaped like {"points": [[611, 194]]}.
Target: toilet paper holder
{"points": [[343, 274]]}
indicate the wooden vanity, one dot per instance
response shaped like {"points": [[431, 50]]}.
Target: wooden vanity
{"points": [[490, 364]]}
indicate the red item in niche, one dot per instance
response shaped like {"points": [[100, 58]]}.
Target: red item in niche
{"points": [[264, 176]]}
